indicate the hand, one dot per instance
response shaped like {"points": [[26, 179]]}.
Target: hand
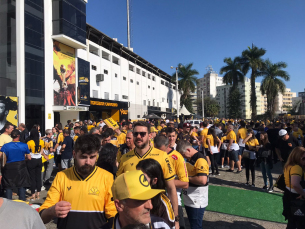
{"points": [[250, 135], [62, 209], [176, 225], [46, 157], [300, 197]]}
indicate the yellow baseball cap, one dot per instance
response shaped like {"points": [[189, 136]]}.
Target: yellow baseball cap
{"points": [[133, 185]]}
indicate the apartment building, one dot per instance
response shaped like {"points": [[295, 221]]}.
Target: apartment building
{"points": [[284, 101], [193, 96], [245, 89]]}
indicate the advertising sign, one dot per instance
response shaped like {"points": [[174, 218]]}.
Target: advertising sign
{"points": [[64, 74], [8, 111], [83, 93]]}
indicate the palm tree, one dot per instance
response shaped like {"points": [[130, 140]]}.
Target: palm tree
{"points": [[232, 71], [271, 84], [187, 80], [252, 58]]}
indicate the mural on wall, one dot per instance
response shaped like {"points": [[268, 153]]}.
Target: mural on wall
{"points": [[64, 74], [8, 111]]}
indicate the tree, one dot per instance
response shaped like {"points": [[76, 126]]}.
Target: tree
{"points": [[186, 81], [211, 107], [234, 104], [232, 76], [232, 71], [272, 85], [252, 58], [189, 104]]}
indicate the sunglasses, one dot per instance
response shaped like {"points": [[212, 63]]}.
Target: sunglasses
{"points": [[142, 134]]}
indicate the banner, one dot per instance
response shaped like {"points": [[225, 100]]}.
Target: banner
{"points": [[8, 111], [64, 74], [83, 93]]}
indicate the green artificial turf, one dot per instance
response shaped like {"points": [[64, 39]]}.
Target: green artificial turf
{"points": [[246, 203]]}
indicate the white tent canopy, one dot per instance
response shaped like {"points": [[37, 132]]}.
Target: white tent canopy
{"points": [[184, 111]]}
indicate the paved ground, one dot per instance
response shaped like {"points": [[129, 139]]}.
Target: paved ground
{"points": [[215, 220]]}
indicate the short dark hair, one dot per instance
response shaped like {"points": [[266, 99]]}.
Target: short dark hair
{"points": [[77, 128], [205, 124], [7, 125], [106, 134], [22, 125], [162, 122], [107, 154], [161, 140], [242, 123], [15, 133], [142, 123], [65, 132], [170, 130], [87, 144]]}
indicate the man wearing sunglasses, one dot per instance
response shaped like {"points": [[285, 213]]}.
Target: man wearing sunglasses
{"points": [[143, 150]]}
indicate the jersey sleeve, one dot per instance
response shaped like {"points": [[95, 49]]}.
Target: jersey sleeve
{"points": [[119, 156], [54, 193], [182, 170], [202, 167], [296, 171], [168, 169], [110, 209]]}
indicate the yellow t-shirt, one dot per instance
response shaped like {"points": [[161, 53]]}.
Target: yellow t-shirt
{"points": [[204, 134], [75, 138], [201, 167], [212, 143], [231, 135], [242, 133], [159, 128], [31, 145], [4, 138], [130, 160], [89, 127], [48, 144], [298, 133], [179, 165], [295, 170], [223, 138], [60, 138], [88, 197], [252, 142], [121, 139]]}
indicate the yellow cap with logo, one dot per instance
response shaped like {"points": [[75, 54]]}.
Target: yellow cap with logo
{"points": [[133, 185]]}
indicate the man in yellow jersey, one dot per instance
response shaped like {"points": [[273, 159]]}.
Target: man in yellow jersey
{"points": [[49, 152], [89, 126], [121, 137], [76, 132], [5, 137], [196, 196], [233, 149], [124, 127], [132, 196], [143, 150], [81, 196], [241, 135], [203, 138], [162, 125], [128, 146], [181, 181]]}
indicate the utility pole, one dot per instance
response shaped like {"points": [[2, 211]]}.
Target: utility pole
{"points": [[128, 26], [202, 103]]}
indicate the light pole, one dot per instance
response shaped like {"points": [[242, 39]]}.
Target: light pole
{"points": [[177, 91]]}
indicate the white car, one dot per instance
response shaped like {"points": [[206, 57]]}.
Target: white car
{"points": [[194, 122]]}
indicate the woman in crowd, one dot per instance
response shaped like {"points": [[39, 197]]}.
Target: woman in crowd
{"points": [[249, 155], [213, 150], [162, 206], [34, 165], [295, 186], [107, 158], [264, 158], [194, 137]]}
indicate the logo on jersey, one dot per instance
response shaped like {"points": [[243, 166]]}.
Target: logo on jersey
{"points": [[143, 180], [94, 191], [131, 164], [69, 188], [168, 165], [174, 157]]}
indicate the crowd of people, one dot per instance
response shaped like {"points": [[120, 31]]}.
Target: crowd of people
{"points": [[136, 175]]}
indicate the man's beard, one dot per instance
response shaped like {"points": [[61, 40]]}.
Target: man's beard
{"points": [[141, 146], [84, 170]]}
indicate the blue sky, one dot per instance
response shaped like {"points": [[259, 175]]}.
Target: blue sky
{"points": [[168, 32]]}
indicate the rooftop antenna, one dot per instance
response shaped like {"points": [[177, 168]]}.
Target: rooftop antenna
{"points": [[210, 69], [128, 25]]}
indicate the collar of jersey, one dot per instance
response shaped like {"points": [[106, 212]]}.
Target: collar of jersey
{"points": [[79, 176], [135, 152], [171, 151], [116, 222]]}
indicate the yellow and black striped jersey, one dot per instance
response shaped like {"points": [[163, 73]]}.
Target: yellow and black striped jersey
{"points": [[90, 198], [130, 160], [31, 144], [166, 211], [48, 144], [179, 165]]}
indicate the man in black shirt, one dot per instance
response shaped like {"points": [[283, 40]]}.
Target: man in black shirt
{"points": [[24, 132], [66, 150], [185, 135], [286, 143]]}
